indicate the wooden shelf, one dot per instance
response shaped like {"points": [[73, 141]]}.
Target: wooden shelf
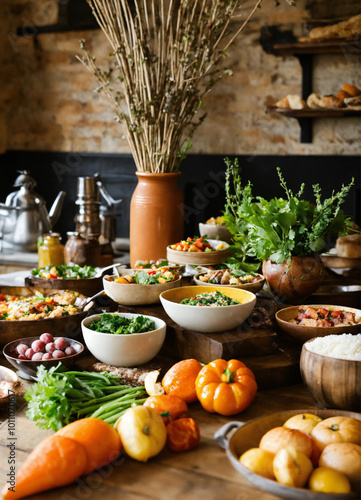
{"points": [[314, 47], [305, 51], [315, 113]]}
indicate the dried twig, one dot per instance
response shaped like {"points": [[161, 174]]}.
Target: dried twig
{"points": [[167, 56]]}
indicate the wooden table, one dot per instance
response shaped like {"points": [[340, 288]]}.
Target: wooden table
{"points": [[204, 472]]}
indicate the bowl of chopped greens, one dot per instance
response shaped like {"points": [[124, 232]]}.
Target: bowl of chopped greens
{"points": [[123, 339], [208, 309], [83, 279], [140, 286]]}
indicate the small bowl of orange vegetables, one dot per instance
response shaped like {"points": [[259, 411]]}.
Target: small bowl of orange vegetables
{"points": [[308, 454], [198, 251], [140, 286]]}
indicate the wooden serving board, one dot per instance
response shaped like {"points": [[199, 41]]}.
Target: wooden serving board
{"points": [[273, 359]]}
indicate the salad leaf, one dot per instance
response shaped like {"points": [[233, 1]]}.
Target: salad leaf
{"points": [[116, 324]]}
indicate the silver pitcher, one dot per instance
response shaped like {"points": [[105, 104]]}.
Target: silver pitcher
{"points": [[24, 217]]}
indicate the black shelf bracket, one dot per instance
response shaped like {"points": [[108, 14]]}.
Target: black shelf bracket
{"points": [[306, 63]]}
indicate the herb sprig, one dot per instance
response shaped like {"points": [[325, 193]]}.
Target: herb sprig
{"points": [[280, 228]]}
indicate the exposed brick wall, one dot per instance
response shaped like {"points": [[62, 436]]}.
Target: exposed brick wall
{"points": [[47, 101]]}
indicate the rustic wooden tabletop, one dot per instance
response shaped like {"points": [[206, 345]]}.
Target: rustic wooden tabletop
{"points": [[204, 472]]}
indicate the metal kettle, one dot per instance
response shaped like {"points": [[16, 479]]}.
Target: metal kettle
{"points": [[25, 215]]}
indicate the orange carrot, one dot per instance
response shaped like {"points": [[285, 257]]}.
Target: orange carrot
{"points": [[100, 440], [56, 461]]}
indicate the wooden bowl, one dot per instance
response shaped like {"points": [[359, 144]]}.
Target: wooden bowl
{"points": [[66, 325], [302, 333], [200, 258], [344, 295], [248, 435], [27, 368], [86, 286], [251, 287], [332, 382]]}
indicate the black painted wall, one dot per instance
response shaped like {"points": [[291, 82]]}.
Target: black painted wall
{"points": [[202, 180]]}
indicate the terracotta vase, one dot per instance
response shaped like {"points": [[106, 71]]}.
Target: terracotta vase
{"points": [[156, 216], [294, 278]]}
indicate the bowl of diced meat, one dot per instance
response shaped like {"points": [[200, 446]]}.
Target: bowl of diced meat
{"points": [[305, 322]]}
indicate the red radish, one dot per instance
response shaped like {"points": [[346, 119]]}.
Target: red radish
{"points": [[69, 351], [46, 338], [60, 343], [50, 347], [37, 356], [47, 355], [58, 354], [22, 348], [30, 353], [38, 345], [22, 356]]}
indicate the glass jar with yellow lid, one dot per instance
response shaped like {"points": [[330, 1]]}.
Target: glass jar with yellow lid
{"points": [[51, 251]]}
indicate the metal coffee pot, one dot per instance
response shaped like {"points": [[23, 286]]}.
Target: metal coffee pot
{"points": [[24, 217]]}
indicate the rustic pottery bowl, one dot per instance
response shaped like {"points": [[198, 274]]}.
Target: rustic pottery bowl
{"points": [[294, 278], [215, 231], [27, 368], [251, 287], [332, 382], [9, 381], [124, 350], [207, 319], [302, 333], [237, 437], [200, 258], [65, 325], [132, 294]]}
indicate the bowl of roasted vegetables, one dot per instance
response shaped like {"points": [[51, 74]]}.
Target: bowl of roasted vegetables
{"points": [[83, 279], [253, 282], [157, 264], [305, 322], [208, 309], [140, 286], [123, 339], [198, 251], [30, 311]]}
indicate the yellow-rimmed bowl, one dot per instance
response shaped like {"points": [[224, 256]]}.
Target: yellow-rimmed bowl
{"points": [[207, 319]]}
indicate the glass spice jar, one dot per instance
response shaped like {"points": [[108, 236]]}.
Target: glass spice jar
{"points": [[83, 250], [51, 252]]}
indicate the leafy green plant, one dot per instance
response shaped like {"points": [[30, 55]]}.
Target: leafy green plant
{"points": [[279, 228]]}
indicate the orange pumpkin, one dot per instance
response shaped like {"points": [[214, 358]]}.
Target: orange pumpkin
{"points": [[225, 387]]}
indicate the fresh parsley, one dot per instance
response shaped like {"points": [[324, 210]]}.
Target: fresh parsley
{"points": [[279, 228]]}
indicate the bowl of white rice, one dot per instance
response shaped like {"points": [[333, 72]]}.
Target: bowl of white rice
{"points": [[331, 370]]}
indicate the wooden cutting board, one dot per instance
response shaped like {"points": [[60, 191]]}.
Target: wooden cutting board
{"points": [[273, 359]]}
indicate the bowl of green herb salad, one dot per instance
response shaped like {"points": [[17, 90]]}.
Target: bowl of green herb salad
{"points": [[208, 309], [83, 279], [123, 339]]}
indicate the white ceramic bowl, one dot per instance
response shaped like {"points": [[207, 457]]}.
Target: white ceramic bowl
{"points": [[124, 350], [215, 231], [207, 319], [132, 294]]}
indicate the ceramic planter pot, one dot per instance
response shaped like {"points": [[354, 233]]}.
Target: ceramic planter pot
{"points": [[294, 278], [156, 216]]}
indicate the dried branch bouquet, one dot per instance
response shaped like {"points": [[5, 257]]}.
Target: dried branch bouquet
{"points": [[167, 56]]}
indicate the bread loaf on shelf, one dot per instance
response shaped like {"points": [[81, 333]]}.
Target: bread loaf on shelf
{"points": [[344, 30], [349, 246], [291, 102]]}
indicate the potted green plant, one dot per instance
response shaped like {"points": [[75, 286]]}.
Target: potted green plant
{"points": [[285, 234], [166, 56]]}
